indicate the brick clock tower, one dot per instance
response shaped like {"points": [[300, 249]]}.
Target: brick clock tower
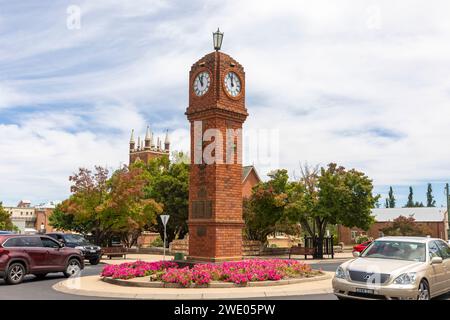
{"points": [[216, 104]]}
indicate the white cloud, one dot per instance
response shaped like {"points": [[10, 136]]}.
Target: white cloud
{"points": [[361, 83]]}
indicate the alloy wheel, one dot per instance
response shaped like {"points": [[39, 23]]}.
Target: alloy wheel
{"points": [[16, 273], [424, 291], [73, 268]]}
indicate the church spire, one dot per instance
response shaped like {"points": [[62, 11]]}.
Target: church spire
{"points": [[148, 138], [167, 141], [132, 143]]}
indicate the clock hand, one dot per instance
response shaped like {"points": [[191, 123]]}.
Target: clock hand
{"points": [[201, 80]]}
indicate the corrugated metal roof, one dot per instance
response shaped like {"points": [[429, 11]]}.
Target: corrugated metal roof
{"points": [[419, 214]]}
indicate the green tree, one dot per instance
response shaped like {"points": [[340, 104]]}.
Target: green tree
{"points": [[168, 184], [430, 198], [80, 213], [125, 208], [391, 199], [410, 203], [5, 220], [335, 196], [107, 207], [264, 211]]}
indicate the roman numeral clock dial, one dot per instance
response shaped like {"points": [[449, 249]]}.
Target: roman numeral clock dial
{"points": [[232, 84], [202, 83]]}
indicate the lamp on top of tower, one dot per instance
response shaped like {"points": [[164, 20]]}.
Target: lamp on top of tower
{"points": [[217, 39]]}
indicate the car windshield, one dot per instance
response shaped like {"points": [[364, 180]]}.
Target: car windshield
{"points": [[75, 238], [398, 250]]}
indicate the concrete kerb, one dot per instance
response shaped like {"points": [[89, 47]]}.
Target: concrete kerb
{"points": [[144, 282], [94, 286]]}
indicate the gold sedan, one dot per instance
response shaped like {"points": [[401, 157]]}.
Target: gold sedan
{"points": [[395, 268]]}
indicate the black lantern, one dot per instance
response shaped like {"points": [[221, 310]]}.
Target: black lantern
{"points": [[217, 39]]}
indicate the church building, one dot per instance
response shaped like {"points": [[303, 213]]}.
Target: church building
{"points": [[147, 149]]}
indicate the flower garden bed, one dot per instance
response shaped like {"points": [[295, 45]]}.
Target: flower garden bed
{"points": [[256, 272]]}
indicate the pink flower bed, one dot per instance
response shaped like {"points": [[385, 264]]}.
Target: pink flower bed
{"points": [[240, 272], [139, 268]]}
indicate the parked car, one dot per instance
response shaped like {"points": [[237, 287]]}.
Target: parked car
{"points": [[90, 252], [360, 247], [36, 254], [396, 268], [6, 232]]}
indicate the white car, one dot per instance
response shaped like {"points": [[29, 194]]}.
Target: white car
{"points": [[396, 268]]}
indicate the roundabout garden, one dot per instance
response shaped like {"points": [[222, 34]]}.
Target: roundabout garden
{"points": [[254, 272]]}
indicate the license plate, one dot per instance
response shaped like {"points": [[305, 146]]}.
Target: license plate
{"points": [[364, 290], [92, 251]]}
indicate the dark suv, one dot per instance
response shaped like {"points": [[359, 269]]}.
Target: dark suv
{"points": [[36, 254], [90, 251]]}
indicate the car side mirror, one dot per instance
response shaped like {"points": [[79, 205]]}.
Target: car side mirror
{"points": [[436, 260], [356, 254], [62, 245]]}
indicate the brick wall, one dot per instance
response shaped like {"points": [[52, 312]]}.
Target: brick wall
{"points": [[249, 183], [249, 247], [146, 239], [42, 217]]}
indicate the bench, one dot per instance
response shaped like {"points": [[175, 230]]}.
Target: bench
{"points": [[301, 251], [114, 252]]}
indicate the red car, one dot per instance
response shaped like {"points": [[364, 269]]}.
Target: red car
{"points": [[38, 255], [360, 247]]}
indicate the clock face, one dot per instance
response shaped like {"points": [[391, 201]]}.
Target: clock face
{"points": [[201, 83], [232, 84]]}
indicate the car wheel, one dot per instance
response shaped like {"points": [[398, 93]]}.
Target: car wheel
{"points": [[424, 291], [73, 268], [40, 276], [94, 261], [16, 273]]}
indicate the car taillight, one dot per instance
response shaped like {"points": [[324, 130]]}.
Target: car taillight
{"points": [[3, 251]]}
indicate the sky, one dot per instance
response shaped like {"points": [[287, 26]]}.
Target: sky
{"points": [[361, 83]]}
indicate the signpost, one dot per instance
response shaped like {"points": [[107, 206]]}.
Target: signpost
{"points": [[164, 219], [447, 197]]}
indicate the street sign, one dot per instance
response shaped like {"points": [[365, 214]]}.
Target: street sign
{"points": [[164, 218]]}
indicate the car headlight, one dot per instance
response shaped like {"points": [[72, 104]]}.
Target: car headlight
{"points": [[406, 278], [340, 273], [80, 248]]}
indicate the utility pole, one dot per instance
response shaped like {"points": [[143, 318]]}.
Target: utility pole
{"points": [[447, 191]]}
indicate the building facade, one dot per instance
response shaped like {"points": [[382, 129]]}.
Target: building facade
{"points": [[31, 219], [435, 219], [23, 216], [43, 213]]}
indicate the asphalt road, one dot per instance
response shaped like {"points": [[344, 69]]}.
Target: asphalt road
{"points": [[32, 288]]}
